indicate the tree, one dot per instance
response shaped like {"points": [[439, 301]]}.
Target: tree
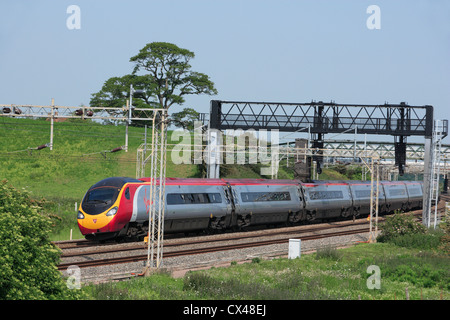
{"points": [[168, 80], [27, 257], [185, 119], [172, 78], [116, 91]]}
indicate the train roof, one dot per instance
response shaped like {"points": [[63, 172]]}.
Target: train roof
{"points": [[261, 182], [203, 181], [114, 182], [249, 181], [189, 181]]}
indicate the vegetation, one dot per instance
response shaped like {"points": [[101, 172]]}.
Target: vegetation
{"points": [[81, 157], [27, 257], [404, 230], [327, 274], [408, 255], [166, 80]]}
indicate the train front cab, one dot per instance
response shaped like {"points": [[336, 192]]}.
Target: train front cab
{"points": [[101, 212]]}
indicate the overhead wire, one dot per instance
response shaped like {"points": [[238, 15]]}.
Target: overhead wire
{"points": [[64, 130]]}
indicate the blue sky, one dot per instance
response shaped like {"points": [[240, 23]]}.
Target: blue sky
{"points": [[287, 51]]}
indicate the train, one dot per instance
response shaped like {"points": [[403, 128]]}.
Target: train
{"points": [[118, 207]]}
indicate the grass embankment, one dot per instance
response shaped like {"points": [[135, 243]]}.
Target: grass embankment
{"points": [[63, 175], [327, 274], [78, 160]]}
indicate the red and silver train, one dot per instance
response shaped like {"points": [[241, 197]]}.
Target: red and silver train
{"points": [[118, 207]]}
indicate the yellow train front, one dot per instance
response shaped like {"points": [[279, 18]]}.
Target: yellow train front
{"points": [[103, 214]]}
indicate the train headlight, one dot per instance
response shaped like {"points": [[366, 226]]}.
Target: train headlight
{"points": [[80, 215], [112, 212]]}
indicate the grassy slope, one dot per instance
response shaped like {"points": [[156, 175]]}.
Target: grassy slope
{"points": [[328, 274], [63, 174]]}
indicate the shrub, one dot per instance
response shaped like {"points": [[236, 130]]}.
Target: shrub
{"points": [[445, 239], [27, 258], [399, 225]]}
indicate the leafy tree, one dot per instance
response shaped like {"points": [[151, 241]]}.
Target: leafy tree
{"points": [[163, 72], [171, 72], [185, 119], [116, 91], [27, 258]]}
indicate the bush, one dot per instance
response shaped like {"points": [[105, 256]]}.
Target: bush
{"points": [[445, 240], [404, 231], [27, 258], [399, 225]]}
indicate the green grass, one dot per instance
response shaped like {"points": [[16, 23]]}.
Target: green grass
{"points": [[328, 274], [63, 175]]}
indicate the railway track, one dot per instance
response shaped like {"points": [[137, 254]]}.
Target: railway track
{"points": [[207, 244], [221, 237], [207, 249]]}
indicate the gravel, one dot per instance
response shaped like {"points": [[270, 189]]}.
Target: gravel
{"points": [[178, 266]]}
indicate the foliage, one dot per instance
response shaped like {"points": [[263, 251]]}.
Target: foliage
{"points": [[399, 225], [429, 240], [116, 90], [291, 286], [185, 119], [423, 269], [172, 77], [28, 259], [445, 240], [168, 81], [425, 274]]}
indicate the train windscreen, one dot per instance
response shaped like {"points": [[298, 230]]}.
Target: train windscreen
{"points": [[99, 199]]}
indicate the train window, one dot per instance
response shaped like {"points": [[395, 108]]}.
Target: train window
{"points": [[362, 193], [265, 196], [397, 192], [127, 193], [415, 191], [193, 198], [214, 198], [323, 195]]}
